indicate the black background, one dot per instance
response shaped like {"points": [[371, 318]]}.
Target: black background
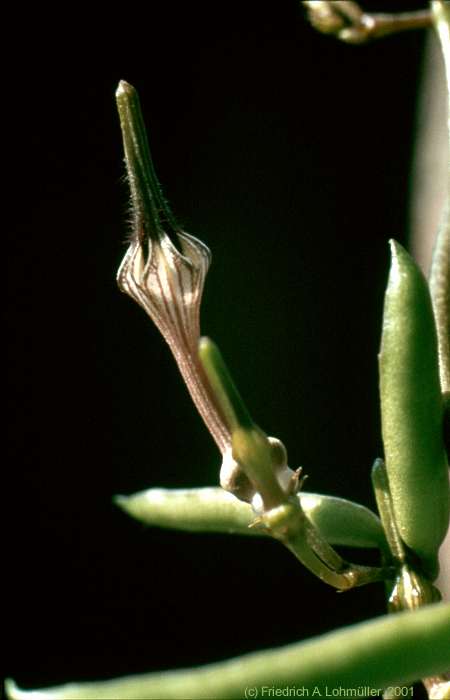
{"points": [[288, 154]]}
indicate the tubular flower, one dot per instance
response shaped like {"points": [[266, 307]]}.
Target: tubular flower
{"points": [[167, 283]]}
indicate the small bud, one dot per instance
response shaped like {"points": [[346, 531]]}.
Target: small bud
{"points": [[411, 591]]}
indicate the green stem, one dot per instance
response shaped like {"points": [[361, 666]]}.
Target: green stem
{"points": [[289, 524], [390, 650]]}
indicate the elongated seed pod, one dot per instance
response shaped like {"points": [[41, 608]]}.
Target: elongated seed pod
{"points": [[412, 411]]}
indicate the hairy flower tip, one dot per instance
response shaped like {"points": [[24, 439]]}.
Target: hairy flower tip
{"points": [[166, 282]]}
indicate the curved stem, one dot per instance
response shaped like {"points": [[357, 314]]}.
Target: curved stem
{"points": [[289, 524]]}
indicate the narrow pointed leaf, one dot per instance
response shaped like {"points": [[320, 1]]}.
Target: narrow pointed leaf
{"points": [[392, 649], [341, 522], [209, 509]]}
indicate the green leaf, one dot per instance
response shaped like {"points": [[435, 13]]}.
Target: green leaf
{"points": [[340, 521], [209, 509], [412, 411], [393, 649], [343, 522]]}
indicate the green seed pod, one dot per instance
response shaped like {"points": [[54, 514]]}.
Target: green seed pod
{"points": [[412, 411]]}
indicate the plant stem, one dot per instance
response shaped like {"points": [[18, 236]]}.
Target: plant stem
{"points": [[288, 524]]}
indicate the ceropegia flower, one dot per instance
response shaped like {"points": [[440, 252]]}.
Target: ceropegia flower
{"points": [[167, 281]]}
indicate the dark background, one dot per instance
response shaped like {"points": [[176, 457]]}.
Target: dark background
{"points": [[288, 154]]}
